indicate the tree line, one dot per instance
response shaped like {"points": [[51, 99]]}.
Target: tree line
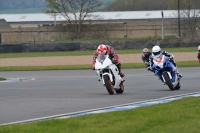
{"points": [[109, 5], [21, 4], [140, 5], [27, 4]]}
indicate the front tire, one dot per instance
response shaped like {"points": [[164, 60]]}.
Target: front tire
{"points": [[168, 81], [108, 84]]}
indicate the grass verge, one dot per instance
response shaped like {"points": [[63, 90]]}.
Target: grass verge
{"points": [[2, 79], [179, 116], [87, 66], [88, 52]]}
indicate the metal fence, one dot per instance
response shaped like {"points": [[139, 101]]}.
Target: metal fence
{"points": [[119, 29]]}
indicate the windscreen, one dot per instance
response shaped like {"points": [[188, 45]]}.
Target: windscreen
{"points": [[101, 57], [157, 57]]}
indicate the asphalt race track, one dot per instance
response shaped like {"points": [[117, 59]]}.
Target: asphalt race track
{"points": [[49, 93]]}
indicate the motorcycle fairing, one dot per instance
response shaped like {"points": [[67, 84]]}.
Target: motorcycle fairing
{"points": [[163, 65], [105, 66], [102, 61]]}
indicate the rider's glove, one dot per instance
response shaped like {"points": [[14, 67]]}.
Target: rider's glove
{"points": [[146, 62], [171, 57], [114, 60], [150, 68]]}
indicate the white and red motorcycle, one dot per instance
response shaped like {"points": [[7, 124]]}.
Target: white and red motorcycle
{"points": [[108, 73]]}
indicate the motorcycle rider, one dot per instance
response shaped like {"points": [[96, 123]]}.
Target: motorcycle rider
{"points": [[106, 49], [198, 54], [145, 56], [156, 51]]}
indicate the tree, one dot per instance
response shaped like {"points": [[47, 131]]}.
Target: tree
{"points": [[75, 11], [189, 15], [136, 5], [21, 4]]}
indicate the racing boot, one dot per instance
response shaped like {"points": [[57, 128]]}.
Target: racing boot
{"points": [[120, 72], [178, 73]]}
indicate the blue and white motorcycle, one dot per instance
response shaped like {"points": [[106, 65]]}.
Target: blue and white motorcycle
{"points": [[167, 71]]}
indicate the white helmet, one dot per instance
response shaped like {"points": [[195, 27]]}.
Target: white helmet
{"points": [[199, 47], [156, 50]]}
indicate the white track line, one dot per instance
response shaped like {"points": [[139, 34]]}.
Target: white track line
{"points": [[127, 106]]}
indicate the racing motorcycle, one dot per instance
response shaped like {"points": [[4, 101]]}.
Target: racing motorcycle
{"points": [[165, 67], [108, 73]]}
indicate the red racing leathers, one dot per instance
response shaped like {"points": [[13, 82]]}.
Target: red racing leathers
{"points": [[113, 56]]}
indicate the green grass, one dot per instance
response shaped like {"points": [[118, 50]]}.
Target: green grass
{"points": [[87, 66], [1, 78], [88, 52], [179, 116]]}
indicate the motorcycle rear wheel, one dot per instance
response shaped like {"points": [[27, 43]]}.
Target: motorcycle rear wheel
{"points": [[108, 84], [168, 81], [121, 90]]}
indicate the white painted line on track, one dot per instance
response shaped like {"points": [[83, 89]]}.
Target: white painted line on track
{"points": [[16, 79], [11, 80], [111, 108]]}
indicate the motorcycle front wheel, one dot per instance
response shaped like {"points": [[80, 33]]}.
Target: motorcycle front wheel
{"points": [[168, 81], [108, 84]]}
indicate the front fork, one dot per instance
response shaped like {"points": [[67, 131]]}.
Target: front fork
{"points": [[100, 75], [175, 81], [170, 77]]}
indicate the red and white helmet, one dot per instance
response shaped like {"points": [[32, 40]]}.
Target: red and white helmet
{"points": [[199, 47], [102, 49], [145, 51]]}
